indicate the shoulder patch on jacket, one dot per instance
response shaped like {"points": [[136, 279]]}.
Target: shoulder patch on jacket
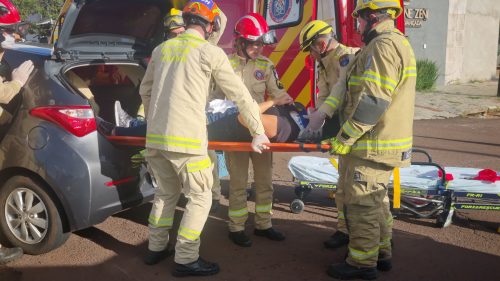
{"points": [[344, 60]]}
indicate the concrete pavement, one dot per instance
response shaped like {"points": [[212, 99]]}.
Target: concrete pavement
{"points": [[472, 99]]}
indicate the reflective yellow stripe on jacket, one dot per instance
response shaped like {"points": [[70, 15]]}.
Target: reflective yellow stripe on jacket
{"points": [[383, 144], [332, 102], [370, 76], [198, 166], [175, 141]]}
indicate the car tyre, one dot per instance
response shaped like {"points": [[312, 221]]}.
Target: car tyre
{"points": [[29, 217]]}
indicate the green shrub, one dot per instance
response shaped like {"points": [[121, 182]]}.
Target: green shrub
{"points": [[427, 74]]}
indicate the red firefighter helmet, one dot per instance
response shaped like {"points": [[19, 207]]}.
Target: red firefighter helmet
{"points": [[8, 14], [253, 27]]}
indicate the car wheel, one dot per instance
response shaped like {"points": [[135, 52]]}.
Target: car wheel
{"points": [[29, 217]]}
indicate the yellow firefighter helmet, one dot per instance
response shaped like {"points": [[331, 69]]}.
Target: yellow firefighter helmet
{"points": [[311, 31], [174, 19], [393, 6]]}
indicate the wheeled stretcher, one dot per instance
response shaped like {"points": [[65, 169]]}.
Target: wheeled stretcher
{"points": [[421, 189]]}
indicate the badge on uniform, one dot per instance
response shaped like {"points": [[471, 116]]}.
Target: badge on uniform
{"points": [[259, 75], [278, 82], [344, 60]]}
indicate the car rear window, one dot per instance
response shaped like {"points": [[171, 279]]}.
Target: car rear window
{"points": [[129, 18]]}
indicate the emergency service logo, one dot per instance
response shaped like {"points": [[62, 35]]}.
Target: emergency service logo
{"points": [[208, 3], [259, 75], [279, 10]]}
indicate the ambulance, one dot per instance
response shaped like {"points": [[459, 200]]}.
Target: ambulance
{"points": [[296, 69]]}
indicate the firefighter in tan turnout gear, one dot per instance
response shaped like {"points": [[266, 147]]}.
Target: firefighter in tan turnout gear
{"points": [[175, 92], [259, 75], [375, 137], [334, 59]]}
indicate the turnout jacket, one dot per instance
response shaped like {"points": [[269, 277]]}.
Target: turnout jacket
{"points": [[377, 113], [259, 75], [338, 91], [329, 72], [175, 89]]}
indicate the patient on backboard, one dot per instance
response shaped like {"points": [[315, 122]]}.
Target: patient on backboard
{"points": [[282, 120]]}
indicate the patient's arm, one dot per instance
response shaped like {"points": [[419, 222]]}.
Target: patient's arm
{"points": [[270, 122]]}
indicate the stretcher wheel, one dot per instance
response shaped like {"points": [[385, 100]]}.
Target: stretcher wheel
{"points": [[297, 206]]}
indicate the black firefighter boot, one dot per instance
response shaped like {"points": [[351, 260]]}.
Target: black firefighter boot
{"points": [[337, 240], [345, 271], [384, 264], [154, 257], [199, 267], [240, 238]]}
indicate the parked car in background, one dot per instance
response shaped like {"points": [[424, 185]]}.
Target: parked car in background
{"points": [[60, 173]]}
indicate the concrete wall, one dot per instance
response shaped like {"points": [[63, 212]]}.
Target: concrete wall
{"points": [[429, 41], [480, 40], [472, 40], [461, 36]]}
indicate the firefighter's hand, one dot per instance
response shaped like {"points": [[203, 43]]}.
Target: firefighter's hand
{"points": [[338, 147], [283, 99], [259, 143], [316, 120], [138, 159], [22, 73]]}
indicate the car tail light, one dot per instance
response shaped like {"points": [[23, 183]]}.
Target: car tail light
{"points": [[78, 120]]}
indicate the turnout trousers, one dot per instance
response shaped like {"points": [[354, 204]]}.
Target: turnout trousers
{"points": [[216, 189], [175, 173], [238, 163], [339, 196], [366, 208]]}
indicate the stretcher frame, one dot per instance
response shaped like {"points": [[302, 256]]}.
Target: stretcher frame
{"points": [[231, 146], [439, 203]]}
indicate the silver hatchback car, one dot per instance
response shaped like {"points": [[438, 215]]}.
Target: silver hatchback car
{"points": [[60, 173]]}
